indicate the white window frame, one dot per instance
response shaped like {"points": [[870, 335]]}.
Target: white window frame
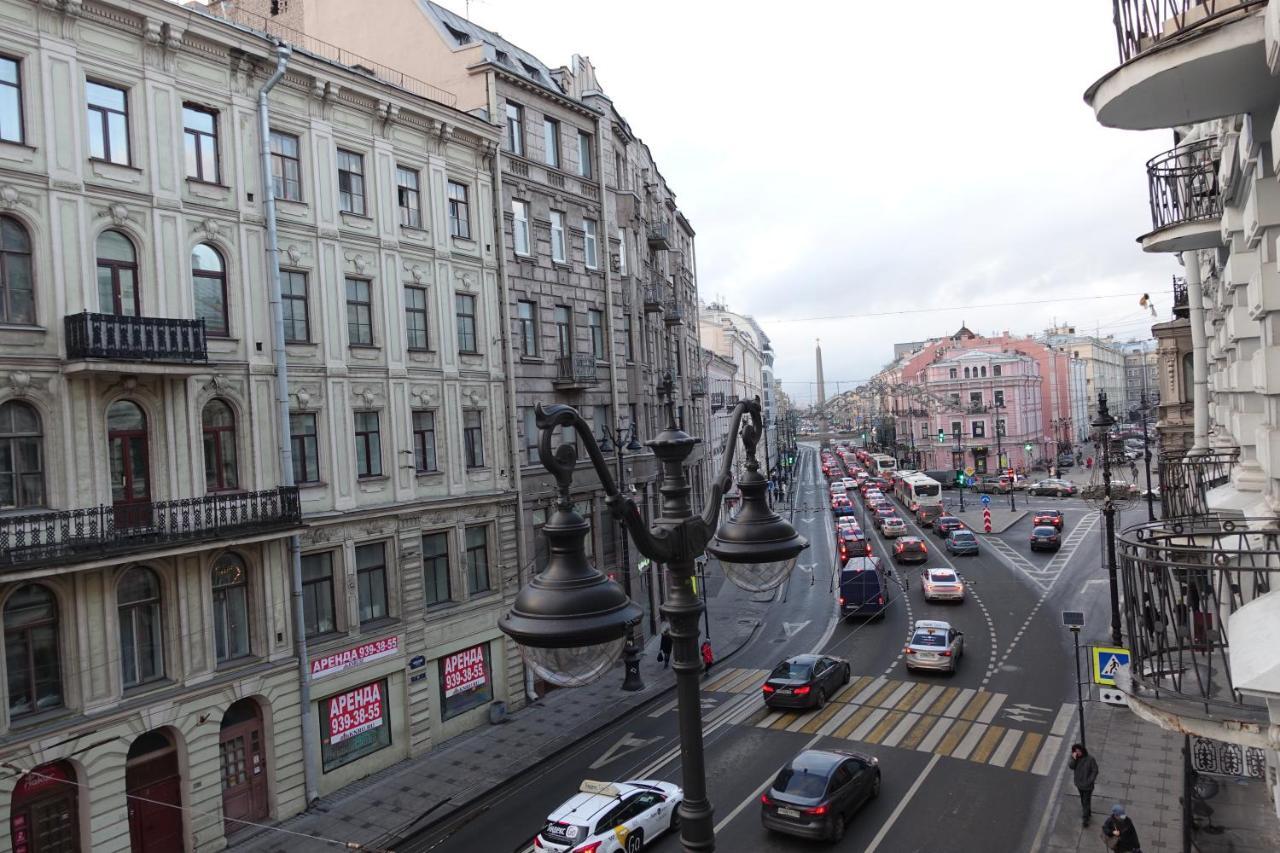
{"points": [[591, 243], [557, 237], [622, 250], [520, 226]]}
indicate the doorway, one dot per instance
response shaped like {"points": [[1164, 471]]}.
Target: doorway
{"points": [[244, 765], [153, 787], [44, 811], [130, 464]]}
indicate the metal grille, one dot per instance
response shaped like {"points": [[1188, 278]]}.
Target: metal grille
{"points": [[1181, 308], [1186, 480], [1144, 24], [579, 368], [1183, 184], [76, 534], [112, 336]]}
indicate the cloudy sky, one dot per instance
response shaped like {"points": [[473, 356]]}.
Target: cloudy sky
{"points": [[871, 172]]}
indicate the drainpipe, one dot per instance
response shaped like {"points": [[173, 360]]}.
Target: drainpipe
{"points": [[1199, 354], [284, 449], [509, 383]]}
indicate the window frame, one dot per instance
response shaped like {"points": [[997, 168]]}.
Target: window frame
{"points": [[515, 128], [154, 603], [8, 315], [590, 243], [629, 337], [481, 550], [559, 249], [284, 160], [520, 227], [436, 558], [527, 328], [532, 435], [16, 85], [586, 169], [16, 439], [199, 136], [978, 429], [595, 325], [104, 122], [218, 278], [221, 436], [368, 444], [300, 442], [289, 300], [622, 250], [32, 681], [355, 184], [473, 439], [411, 311], [564, 331], [421, 445], [363, 309], [367, 573], [243, 586], [409, 197], [551, 142], [459, 209], [466, 323], [328, 581], [115, 267]]}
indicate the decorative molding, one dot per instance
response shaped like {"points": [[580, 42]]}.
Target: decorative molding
{"points": [[296, 253], [118, 213], [22, 383], [417, 272], [11, 199], [208, 228], [473, 397], [370, 396], [305, 397], [358, 261], [424, 396], [465, 280]]}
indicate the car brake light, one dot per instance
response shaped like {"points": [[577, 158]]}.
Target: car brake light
{"points": [[908, 650], [766, 800], [537, 843], [801, 691], [590, 847], [768, 688], [842, 601], [946, 653], [879, 599], [817, 810]]}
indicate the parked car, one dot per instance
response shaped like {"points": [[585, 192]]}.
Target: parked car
{"points": [[817, 792], [941, 585], [910, 549], [891, 527], [805, 681], [934, 645], [994, 485], [587, 820], [945, 524], [1051, 517], [1066, 460], [961, 541], [1045, 538], [1053, 487], [864, 588], [927, 515]]}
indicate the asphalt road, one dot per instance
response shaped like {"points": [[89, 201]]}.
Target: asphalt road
{"points": [[968, 760]]}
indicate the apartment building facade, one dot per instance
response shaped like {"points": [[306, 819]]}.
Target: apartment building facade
{"points": [[1103, 363], [1206, 70], [152, 674], [1141, 375]]}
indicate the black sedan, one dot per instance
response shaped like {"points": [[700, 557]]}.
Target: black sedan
{"points": [[945, 524], [1045, 538], [805, 681], [818, 791]]}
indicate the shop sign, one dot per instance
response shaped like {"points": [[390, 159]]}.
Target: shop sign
{"points": [[354, 657], [355, 711]]}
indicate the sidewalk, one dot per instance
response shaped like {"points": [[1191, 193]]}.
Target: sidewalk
{"points": [[1140, 766], [426, 789]]}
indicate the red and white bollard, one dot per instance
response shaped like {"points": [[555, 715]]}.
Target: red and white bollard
{"points": [[986, 519]]}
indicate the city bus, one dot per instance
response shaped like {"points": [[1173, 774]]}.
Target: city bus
{"points": [[916, 490], [880, 464]]}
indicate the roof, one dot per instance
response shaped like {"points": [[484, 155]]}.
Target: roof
{"points": [[585, 807], [818, 759], [459, 31]]}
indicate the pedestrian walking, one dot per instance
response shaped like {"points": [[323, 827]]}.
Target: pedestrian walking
{"points": [[664, 645], [1088, 463], [1086, 773], [1133, 471], [707, 657], [1119, 832]]}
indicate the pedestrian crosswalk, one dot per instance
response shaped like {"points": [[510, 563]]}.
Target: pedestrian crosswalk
{"points": [[1044, 576], [955, 722]]}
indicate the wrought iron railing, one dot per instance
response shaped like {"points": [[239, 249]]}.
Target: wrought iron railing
{"points": [[1144, 24], [120, 338], [1181, 308], [578, 368], [1183, 185], [653, 298], [659, 235], [48, 538], [717, 400], [673, 312], [1185, 481], [1182, 580]]}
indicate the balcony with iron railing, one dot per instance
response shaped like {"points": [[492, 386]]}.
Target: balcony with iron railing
{"points": [[717, 400], [1218, 67], [659, 235], [654, 296], [1185, 480], [116, 338], [1181, 308], [697, 386], [77, 535], [673, 313], [1186, 207], [576, 371]]}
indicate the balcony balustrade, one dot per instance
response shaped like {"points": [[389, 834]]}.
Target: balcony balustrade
{"points": [[1142, 25], [653, 299], [717, 401], [1181, 308], [698, 386], [576, 371], [673, 313], [1185, 481], [66, 536], [117, 338], [659, 235], [1183, 188]]}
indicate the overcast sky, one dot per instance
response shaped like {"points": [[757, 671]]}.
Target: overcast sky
{"points": [[844, 160]]}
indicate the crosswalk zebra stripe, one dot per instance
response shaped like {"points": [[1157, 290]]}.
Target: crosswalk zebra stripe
{"points": [[1026, 752], [974, 706], [993, 707], [1048, 756], [927, 698], [1002, 752], [869, 691], [960, 701], [913, 696], [861, 732], [895, 697], [900, 730], [986, 744], [935, 734], [955, 738], [837, 719]]}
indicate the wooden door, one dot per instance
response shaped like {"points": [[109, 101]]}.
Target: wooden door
{"points": [[244, 774], [154, 791]]}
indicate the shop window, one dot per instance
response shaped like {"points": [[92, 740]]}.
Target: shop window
{"points": [[466, 681], [354, 724]]}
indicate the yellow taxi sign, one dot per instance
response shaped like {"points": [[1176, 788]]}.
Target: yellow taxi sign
{"points": [[1106, 660]]}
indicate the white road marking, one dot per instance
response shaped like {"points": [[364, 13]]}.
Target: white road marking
{"points": [[837, 719], [868, 691], [626, 745], [993, 707], [902, 805], [970, 740], [900, 730], [927, 699], [1048, 756], [957, 704], [1005, 749], [868, 724], [1063, 720], [936, 734], [793, 628], [897, 695]]}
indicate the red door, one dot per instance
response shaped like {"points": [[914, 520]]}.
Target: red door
{"points": [[154, 791], [44, 816], [130, 465], [244, 766]]}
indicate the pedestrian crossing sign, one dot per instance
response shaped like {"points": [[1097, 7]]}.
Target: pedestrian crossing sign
{"points": [[1106, 661]]}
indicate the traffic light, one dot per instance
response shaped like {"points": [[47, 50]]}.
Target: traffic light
{"points": [[942, 436], [1027, 447], [959, 478]]}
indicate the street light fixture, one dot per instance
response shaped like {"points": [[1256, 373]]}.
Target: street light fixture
{"points": [[631, 678], [571, 621], [1103, 424]]}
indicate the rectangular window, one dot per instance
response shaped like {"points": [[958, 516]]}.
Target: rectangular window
{"points": [[551, 142], [557, 236], [371, 581], [590, 243], [473, 438], [108, 122], [564, 330], [424, 442], [317, 593], [415, 318], [520, 227], [459, 211], [995, 370], [464, 306], [305, 443], [529, 423], [477, 560], [368, 445], [595, 322], [955, 427], [200, 140], [628, 338], [622, 251], [978, 429], [286, 166], [527, 318], [359, 312], [353, 724], [10, 100], [975, 398], [435, 568], [408, 197], [515, 128], [466, 681], [999, 398], [350, 182], [293, 292], [1000, 427], [584, 154]]}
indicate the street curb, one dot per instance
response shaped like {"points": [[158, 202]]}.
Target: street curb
{"points": [[995, 528], [561, 750]]}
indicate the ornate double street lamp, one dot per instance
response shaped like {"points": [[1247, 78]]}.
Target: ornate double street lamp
{"points": [[571, 621], [620, 444], [1103, 424]]}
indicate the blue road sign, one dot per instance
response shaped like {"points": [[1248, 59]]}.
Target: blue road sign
{"points": [[986, 500], [1106, 661]]}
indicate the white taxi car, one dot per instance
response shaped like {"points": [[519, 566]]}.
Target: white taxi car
{"points": [[941, 585], [612, 817], [934, 645]]}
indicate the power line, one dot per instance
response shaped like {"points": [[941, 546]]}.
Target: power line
{"points": [[902, 311]]}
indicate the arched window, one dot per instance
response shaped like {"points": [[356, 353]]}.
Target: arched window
{"points": [[219, 424], [209, 279], [31, 650], [984, 370], [17, 286], [117, 275], [141, 633], [966, 373], [995, 370], [130, 462], [230, 608], [21, 456]]}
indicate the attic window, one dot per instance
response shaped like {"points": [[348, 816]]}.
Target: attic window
{"points": [[279, 6], [502, 57], [531, 71], [458, 34]]}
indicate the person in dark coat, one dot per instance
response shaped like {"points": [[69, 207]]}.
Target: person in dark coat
{"points": [[664, 646], [1122, 830], [1086, 773]]}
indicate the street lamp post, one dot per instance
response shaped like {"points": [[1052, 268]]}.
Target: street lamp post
{"points": [[570, 620], [1146, 455], [960, 470], [1103, 424], [631, 679]]}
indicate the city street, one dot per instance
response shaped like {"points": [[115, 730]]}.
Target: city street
{"points": [[968, 761]]}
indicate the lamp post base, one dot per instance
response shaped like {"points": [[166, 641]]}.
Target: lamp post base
{"points": [[631, 681]]}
